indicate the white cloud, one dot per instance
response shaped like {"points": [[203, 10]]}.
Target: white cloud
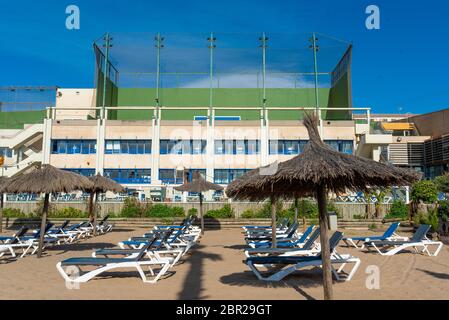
{"points": [[251, 80]]}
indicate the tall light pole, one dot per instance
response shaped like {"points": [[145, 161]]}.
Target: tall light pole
{"points": [[264, 46], [107, 45], [315, 48], [212, 46], [159, 46]]}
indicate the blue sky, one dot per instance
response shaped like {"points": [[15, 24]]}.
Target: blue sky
{"points": [[404, 66]]}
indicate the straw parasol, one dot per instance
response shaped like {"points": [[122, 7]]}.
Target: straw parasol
{"points": [[199, 185], [3, 182], [47, 179], [100, 185], [316, 171]]}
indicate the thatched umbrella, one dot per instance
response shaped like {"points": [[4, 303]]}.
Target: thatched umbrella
{"points": [[100, 185], [199, 185], [3, 182], [319, 169], [47, 180]]}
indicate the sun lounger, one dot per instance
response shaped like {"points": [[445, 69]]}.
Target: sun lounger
{"points": [[101, 265], [291, 264], [284, 242], [268, 238], [155, 250], [419, 240], [178, 241], [389, 234], [281, 224], [309, 247], [8, 239]]}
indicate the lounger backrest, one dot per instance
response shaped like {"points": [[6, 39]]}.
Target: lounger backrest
{"points": [[64, 225], [420, 233], [164, 239], [47, 227], [311, 241], [145, 248], [176, 236], [305, 234], [335, 240], [292, 229], [390, 230], [104, 219], [21, 232]]}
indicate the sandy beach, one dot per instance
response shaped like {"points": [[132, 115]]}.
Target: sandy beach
{"points": [[214, 270]]}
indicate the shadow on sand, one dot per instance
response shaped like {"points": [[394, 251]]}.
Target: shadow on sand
{"points": [[192, 287], [438, 275], [311, 278]]}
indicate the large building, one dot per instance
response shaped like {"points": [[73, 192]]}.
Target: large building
{"points": [[151, 134]]}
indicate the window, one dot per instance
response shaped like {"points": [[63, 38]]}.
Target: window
{"points": [[83, 172], [128, 147], [6, 152], [237, 146], [286, 147], [129, 176], [183, 147], [226, 176], [173, 176], [74, 147], [344, 146]]}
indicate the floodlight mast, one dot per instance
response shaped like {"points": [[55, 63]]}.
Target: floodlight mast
{"points": [[212, 46], [263, 45], [107, 45], [159, 46]]}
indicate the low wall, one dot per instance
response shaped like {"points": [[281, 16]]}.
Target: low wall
{"points": [[346, 210], [210, 224]]}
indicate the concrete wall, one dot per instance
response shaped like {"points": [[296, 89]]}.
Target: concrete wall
{"points": [[347, 210]]}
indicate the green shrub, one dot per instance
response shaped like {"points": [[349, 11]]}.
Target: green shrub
{"points": [[442, 183], [398, 210], [192, 212], [358, 217], [164, 211], [248, 214], [430, 218], [131, 208], [68, 213], [424, 190], [15, 213], [372, 226], [225, 212], [443, 210]]}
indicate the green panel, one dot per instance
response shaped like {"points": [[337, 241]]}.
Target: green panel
{"points": [[111, 95], [16, 120], [340, 97], [229, 98]]}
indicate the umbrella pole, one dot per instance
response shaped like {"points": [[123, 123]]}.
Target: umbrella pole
{"points": [[201, 213], [43, 225], [273, 222], [324, 240], [303, 210], [1, 212], [296, 209], [91, 206], [94, 223]]}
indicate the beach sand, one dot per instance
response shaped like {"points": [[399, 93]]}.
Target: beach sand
{"points": [[214, 270]]}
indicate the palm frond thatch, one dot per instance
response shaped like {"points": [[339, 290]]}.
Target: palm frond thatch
{"points": [[104, 184], [318, 164], [3, 182], [47, 179], [198, 184]]}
